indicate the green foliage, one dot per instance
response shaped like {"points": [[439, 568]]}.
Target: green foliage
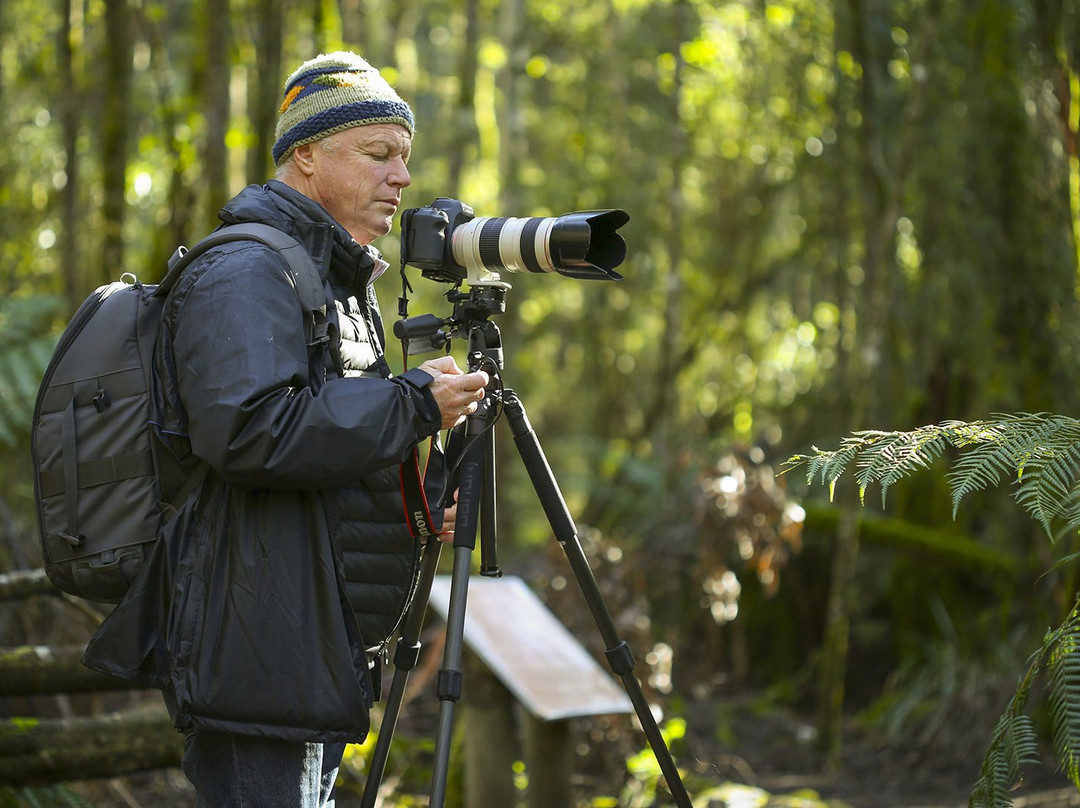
{"points": [[58, 796], [1039, 453], [26, 344], [1065, 697], [937, 695], [644, 769], [1012, 746], [1013, 743], [832, 218]]}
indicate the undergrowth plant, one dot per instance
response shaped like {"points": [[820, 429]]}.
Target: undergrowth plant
{"points": [[27, 339], [1040, 454]]}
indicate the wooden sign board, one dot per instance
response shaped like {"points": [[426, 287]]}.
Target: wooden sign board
{"points": [[537, 659]]}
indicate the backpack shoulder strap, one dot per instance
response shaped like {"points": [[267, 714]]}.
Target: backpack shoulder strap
{"points": [[308, 282], [305, 276]]}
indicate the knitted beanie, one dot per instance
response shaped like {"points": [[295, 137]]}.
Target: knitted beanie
{"points": [[330, 93]]}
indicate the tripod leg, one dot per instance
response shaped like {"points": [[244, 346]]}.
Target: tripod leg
{"points": [[406, 654], [618, 653], [470, 495]]}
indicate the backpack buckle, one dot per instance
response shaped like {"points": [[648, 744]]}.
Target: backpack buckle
{"points": [[101, 399], [74, 541], [320, 334]]}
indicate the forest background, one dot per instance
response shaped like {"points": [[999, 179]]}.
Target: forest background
{"points": [[844, 214]]}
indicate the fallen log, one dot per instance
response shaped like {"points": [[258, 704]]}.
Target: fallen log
{"points": [[42, 751], [19, 584], [34, 670], [24, 584]]}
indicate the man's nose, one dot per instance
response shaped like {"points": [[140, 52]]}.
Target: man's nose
{"points": [[400, 177]]}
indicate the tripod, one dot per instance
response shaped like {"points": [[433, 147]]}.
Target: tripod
{"points": [[477, 510]]}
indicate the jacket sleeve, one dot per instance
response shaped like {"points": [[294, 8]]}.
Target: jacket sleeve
{"points": [[242, 370]]}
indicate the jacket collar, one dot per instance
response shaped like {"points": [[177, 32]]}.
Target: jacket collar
{"points": [[328, 243]]}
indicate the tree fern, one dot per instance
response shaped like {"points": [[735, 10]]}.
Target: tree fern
{"points": [[1040, 454], [1012, 746], [1013, 742], [53, 796], [1065, 696], [27, 340]]}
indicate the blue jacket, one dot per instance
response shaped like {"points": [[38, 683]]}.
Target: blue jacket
{"points": [[292, 559]]}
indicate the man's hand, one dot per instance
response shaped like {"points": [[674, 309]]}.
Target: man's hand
{"points": [[449, 522], [458, 393]]}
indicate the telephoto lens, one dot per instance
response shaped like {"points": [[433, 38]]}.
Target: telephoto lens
{"points": [[582, 245]]}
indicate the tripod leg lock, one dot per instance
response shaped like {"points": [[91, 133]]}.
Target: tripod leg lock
{"points": [[620, 658], [449, 685], [406, 656]]}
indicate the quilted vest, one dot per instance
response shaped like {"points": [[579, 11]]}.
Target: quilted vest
{"points": [[381, 557]]}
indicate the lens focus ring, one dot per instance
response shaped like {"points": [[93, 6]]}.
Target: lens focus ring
{"points": [[488, 243]]}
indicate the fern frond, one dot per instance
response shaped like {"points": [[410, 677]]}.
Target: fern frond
{"points": [[1064, 667], [1040, 452], [1049, 484], [979, 469], [1002, 446], [27, 340], [1013, 743], [1012, 746], [28, 316], [21, 369], [41, 796], [828, 466], [898, 455]]}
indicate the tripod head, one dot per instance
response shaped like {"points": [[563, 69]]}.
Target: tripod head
{"points": [[469, 320]]}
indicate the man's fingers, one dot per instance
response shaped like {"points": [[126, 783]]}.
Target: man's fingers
{"points": [[476, 381], [444, 364]]}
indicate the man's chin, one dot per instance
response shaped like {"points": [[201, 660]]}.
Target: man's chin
{"points": [[368, 235]]}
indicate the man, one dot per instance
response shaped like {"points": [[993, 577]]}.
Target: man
{"points": [[293, 557]]}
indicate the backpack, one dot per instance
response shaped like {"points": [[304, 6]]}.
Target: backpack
{"points": [[103, 486]]}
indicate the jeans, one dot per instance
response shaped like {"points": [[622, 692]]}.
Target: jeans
{"points": [[239, 771]]}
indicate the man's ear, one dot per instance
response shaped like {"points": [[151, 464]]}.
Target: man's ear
{"points": [[304, 159]]}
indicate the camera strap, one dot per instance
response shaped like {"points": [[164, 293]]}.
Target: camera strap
{"points": [[414, 497], [413, 493], [406, 290]]}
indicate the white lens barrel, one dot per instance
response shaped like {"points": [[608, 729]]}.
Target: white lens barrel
{"points": [[511, 244]]}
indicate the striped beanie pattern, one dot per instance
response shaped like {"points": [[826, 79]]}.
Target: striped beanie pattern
{"points": [[331, 93]]}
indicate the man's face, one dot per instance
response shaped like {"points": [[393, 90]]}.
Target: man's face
{"points": [[357, 175]]}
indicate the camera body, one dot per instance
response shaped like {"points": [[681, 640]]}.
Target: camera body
{"points": [[426, 239], [447, 243]]}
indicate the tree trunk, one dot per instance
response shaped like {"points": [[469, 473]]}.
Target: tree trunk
{"points": [[664, 435], [119, 44], [464, 126], [216, 92], [513, 144], [109, 746], [869, 368], [265, 88], [353, 29], [370, 29], [180, 202], [836, 642], [70, 104], [318, 26], [34, 670]]}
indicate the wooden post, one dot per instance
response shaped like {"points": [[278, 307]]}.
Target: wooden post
{"points": [[522, 656], [490, 739], [550, 762]]}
